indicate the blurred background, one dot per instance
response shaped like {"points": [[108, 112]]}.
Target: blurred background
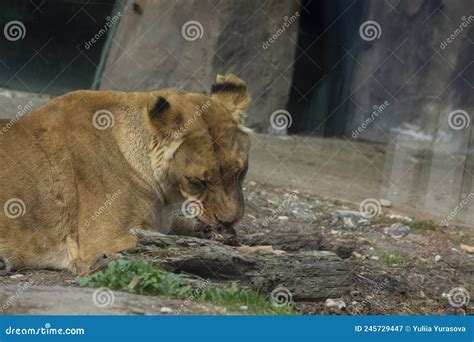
{"points": [[352, 99]]}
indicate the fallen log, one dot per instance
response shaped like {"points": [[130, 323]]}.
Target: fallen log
{"points": [[307, 275]]}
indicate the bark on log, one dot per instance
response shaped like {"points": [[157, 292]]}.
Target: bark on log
{"points": [[308, 275]]}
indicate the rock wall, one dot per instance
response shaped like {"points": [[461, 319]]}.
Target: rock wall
{"points": [[185, 43]]}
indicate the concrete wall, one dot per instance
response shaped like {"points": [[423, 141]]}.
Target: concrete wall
{"points": [[412, 68], [150, 52]]}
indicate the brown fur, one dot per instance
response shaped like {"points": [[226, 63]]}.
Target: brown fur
{"points": [[153, 157]]}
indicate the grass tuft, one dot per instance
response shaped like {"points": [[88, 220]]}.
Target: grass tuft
{"points": [[143, 278]]}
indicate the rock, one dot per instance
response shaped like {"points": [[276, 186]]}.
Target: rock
{"points": [[385, 203], [244, 307], [338, 303], [252, 183], [283, 218], [17, 276], [400, 217], [437, 258], [374, 257], [397, 230], [348, 222], [357, 255], [467, 248], [59, 300]]}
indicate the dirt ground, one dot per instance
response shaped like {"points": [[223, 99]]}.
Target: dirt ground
{"points": [[409, 269]]}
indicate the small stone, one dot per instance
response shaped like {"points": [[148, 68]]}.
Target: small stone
{"points": [[244, 307], [252, 183], [166, 309], [335, 232], [348, 222], [374, 257], [437, 258], [357, 255], [397, 230], [16, 276], [283, 218], [338, 303], [385, 203]]}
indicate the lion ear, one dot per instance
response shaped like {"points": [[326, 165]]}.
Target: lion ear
{"points": [[161, 118], [232, 92]]}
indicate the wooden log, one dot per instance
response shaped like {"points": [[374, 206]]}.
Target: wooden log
{"points": [[308, 275]]}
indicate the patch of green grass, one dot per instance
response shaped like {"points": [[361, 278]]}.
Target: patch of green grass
{"points": [[392, 259], [143, 278], [415, 225]]}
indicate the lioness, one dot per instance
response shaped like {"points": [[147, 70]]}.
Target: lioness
{"points": [[79, 172]]}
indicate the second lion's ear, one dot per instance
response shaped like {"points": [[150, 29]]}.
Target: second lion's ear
{"points": [[232, 92]]}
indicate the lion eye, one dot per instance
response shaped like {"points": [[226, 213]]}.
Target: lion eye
{"points": [[198, 183]]}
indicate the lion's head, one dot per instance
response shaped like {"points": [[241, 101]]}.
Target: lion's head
{"points": [[200, 146]]}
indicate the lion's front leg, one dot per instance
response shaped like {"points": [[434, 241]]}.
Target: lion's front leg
{"points": [[93, 246]]}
